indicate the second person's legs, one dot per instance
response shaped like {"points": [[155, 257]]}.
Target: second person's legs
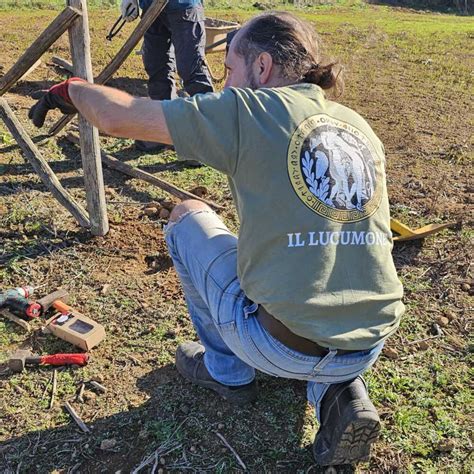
{"points": [[188, 35]]}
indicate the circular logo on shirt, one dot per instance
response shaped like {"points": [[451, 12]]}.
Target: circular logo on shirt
{"points": [[334, 169]]}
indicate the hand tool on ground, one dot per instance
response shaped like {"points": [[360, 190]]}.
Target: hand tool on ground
{"points": [[17, 302], [68, 324], [406, 233], [19, 360]]}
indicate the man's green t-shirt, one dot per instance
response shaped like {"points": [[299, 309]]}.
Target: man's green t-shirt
{"points": [[308, 180]]}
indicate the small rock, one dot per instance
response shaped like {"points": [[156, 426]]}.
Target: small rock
{"points": [[105, 289], [391, 353], [160, 471], [446, 445], [466, 287], [220, 426], [193, 449], [423, 346], [150, 211], [436, 330], [442, 321], [199, 191], [451, 315], [162, 461], [164, 214], [108, 444]]}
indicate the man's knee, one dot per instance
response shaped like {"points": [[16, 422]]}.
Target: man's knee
{"points": [[188, 206]]}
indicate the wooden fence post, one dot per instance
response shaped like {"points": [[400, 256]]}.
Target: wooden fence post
{"points": [[90, 148]]}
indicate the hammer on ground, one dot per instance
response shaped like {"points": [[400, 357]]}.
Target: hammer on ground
{"points": [[56, 300], [20, 359]]}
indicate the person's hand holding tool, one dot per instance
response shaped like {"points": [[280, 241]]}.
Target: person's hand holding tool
{"points": [[129, 10], [55, 98]]}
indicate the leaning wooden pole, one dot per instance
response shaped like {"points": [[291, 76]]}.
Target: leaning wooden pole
{"points": [[90, 148], [59, 25], [40, 165], [125, 168], [147, 20]]}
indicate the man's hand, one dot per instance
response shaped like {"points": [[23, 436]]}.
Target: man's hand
{"points": [[129, 10], [55, 98]]}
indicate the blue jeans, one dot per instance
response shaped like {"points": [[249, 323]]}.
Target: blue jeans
{"points": [[204, 253]]}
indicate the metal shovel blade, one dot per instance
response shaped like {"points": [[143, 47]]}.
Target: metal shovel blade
{"points": [[406, 233]]}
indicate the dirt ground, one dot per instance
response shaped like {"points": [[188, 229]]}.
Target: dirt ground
{"points": [[410, 75]]}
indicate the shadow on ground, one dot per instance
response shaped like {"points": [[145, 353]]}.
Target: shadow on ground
{"points": [[175, 422]]}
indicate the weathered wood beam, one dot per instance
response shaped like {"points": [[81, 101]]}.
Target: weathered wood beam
{"points": [[32, 68], [90, 147], [125, 168], [40, 165], [62, 63], [58, 26], [147, 20]]}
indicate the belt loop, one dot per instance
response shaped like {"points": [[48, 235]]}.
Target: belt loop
{"points": [[325, 360], [250, 308]]}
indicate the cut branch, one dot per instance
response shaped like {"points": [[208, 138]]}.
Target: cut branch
{"points": [[40, 165], [124, 168], [62, 63]]}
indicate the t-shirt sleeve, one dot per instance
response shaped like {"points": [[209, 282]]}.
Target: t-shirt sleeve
{"points": [[206, 128]]}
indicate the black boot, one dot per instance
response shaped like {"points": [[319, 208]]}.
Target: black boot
{"points": [[349, 425]]}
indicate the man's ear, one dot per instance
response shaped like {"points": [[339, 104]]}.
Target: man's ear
{"points": [[263, 68]]}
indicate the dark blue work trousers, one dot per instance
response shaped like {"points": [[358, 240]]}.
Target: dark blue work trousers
{"points": [[176, 40]]}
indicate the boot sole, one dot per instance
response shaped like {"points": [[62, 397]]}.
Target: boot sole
{"points": [[356, 431]]}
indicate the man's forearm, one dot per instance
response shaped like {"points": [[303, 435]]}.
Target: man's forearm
{"points": [[119, 114]]}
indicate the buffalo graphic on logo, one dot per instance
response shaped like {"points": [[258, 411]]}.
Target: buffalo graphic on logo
{"points": [[334, 169]]}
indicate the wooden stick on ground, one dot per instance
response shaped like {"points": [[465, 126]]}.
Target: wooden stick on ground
{"points": [[32, 68], [53, 389], [147, 20], [16, 319], [76, 418], [232, 450], [66, 65], [59, 25], [124, 168], [40, 165]]}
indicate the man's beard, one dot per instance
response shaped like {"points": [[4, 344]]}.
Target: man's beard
{"points": [[251, 82]]}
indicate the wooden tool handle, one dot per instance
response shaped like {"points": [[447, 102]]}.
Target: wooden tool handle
{"points": [[62, 307]]}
